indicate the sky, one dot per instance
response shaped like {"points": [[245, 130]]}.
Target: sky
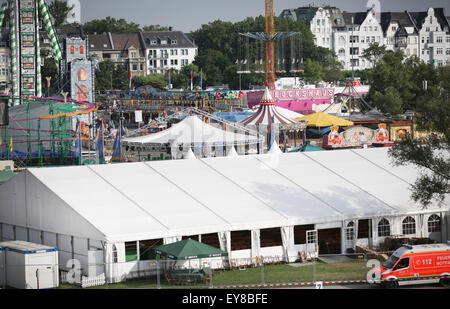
{"points": [[189, 15]]}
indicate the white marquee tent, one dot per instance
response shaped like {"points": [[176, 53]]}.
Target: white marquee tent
{"points": [[192, 131], [107, 205]]}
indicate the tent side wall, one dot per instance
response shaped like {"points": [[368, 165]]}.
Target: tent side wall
{"points": [[40, 216]]}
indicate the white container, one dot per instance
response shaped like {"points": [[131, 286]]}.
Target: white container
{"points": [[29, 265]]}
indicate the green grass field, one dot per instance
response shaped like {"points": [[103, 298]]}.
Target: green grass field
{"points": [[283, 273]]}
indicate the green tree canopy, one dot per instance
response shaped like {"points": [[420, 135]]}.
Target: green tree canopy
{"points": [[432, 154], [111, 76], [59, 10]]}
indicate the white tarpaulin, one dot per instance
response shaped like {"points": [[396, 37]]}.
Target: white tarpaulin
{"points": [[165, 199], [192, 131]]}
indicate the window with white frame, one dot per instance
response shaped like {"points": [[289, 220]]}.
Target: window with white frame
{"points": [[439, 39], [434, 223], [384, 228], [409, 226], [350, 231], [440, 51]]}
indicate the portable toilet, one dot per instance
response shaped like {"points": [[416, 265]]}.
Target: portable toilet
{"points": [[29, 265]]}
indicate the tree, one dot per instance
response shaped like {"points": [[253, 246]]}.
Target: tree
{"points": [[389, 101], [154, 28], [157, 81], [110, 24], [313, 71], [432, 154], [395, 73], [111, 76], [374, 53], [59, 10], [224, 38], [213, 63]]}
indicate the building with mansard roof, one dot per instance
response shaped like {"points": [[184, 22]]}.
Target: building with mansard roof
{"points": [[422, 34]]}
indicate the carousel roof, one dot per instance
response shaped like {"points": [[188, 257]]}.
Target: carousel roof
{"points": [[267, 113]]}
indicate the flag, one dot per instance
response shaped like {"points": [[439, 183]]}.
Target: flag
{"points": [[11, 145], [130, 79], [192, 79], [116, 148], [99, 144], [201, 79]]}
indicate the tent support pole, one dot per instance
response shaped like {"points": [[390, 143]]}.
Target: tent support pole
{"points": [[138, 254]]}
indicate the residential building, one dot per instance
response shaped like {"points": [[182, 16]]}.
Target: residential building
{"points": [[422, 34], [363, 29], [5, 61], [434, 35], [145, 53], [317, 18], [399, 32], [166, 50]]}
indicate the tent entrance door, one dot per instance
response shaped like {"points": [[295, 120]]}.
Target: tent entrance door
{"points": [[330, 241]]}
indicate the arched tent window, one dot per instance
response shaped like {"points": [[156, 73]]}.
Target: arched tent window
{"points": [[384, 228], [434, 223], [114, 254], [409, 226]]}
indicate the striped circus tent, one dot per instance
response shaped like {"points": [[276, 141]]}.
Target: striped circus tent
{"points": [[267, 113]]}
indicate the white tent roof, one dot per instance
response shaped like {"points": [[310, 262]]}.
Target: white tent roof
{"points": [[286, 112], [267, 113], [192, 130], [150, 200], [232, 152], [189, 154]]}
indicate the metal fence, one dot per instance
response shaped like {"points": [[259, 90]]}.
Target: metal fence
{"points": [[259, 271], [168, 274]]}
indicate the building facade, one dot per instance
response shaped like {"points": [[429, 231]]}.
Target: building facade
{"points": [[166, 50], [422, 34], [145, 53], [5, 61]]}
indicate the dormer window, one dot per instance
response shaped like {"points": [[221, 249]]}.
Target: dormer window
{"points": [[153, 42], [173, 41]]}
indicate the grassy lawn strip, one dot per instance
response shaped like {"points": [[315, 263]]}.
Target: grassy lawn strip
{"points": [[282, 273]]}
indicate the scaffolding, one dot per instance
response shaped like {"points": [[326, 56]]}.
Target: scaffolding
{"points": [[41, 131]]}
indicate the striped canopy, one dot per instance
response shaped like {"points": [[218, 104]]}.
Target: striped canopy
{"points": [[267, 113]]}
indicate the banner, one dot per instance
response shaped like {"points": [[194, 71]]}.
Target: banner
{"points": [[138, 116]]}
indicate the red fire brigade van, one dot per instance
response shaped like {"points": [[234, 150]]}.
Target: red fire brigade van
{"points": [[429, 263]]}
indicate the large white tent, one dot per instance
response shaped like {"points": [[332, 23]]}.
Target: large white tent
{"points": [[109, 205], [194, 132]]}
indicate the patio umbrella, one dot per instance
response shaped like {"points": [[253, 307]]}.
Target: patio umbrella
{"points": [[321, 120]]}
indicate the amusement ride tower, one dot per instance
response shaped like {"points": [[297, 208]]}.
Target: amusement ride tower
{"points": [[25, 46]]}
